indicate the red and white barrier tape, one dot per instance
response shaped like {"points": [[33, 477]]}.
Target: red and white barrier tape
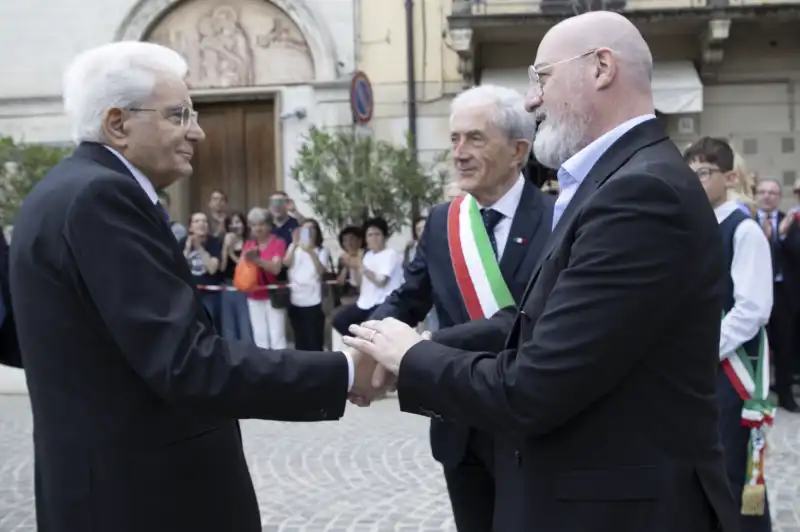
{"points": [[226, 288]]}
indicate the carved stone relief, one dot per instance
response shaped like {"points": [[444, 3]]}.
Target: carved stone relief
{"points": [[237, 43]]}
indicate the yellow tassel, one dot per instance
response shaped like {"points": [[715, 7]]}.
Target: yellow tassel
{"points": [[754, 498]]}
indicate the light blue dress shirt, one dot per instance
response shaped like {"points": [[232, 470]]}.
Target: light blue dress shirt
{"points": [[576, 168]]}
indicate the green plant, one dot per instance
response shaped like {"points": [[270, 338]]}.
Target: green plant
{"points": [[22, 165], [348, 177]]}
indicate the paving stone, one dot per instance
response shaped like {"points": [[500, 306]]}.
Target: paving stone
{"points": [[371, 471]]}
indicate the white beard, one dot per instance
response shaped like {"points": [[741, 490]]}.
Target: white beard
{"points": [[559, 139]]}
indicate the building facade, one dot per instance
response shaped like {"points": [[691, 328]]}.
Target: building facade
{"points": [[726, 68], [261, 73]]}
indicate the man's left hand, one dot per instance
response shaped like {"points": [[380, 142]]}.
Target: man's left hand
{"points": [[386, 341]]}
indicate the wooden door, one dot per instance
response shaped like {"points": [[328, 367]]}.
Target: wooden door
{"points": [[237, 156]]}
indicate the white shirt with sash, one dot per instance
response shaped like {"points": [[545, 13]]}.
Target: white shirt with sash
{"points": [[480, 281], [751, 271]]}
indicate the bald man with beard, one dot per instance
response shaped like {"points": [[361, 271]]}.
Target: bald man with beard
{"points": [[603, 400]]}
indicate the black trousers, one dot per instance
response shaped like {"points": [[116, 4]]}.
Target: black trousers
{"points": [[734, 438], [308, 324], [348, 316], [471, 487], [782, 338]]}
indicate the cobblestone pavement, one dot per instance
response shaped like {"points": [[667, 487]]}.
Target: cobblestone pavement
{"points": [[372, 471]]}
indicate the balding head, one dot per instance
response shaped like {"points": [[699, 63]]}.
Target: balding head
{"points": [[594, 72], [600, 30]]}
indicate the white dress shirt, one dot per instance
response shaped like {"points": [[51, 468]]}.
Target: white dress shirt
{"points": [[507, 206], [150, 190], [751, 271], [576, 168]]}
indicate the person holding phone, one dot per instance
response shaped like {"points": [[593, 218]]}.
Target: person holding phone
{"points": [[307, 261], [266, 250], [202, 251], [234, 314]]}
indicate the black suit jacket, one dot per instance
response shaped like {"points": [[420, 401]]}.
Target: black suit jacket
{"points": [[787, 253], [9, 347], [134, 394], [606, 390], [430, 282]]}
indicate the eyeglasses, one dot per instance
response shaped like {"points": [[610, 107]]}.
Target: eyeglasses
{"points": [[705, 173], [180, 116], [535, 74]]}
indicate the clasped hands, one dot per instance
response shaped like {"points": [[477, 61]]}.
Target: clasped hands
{"points": [[379, 347]]}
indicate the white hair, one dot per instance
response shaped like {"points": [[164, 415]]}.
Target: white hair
{"points": [[258, 214], [509, 115], [116, 75]]}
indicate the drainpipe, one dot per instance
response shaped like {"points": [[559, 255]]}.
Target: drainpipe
{"points": [[412, 90], [412, 80]]}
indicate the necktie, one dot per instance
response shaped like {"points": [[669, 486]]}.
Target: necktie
{"points": [[490, 220], [163, 212]]}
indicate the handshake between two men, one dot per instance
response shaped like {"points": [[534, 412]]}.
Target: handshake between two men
{"points": [[379, 349]]}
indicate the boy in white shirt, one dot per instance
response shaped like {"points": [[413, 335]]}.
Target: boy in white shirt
{"points": [[747, 292]]}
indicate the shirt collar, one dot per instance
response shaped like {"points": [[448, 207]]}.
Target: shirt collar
{"points": [[579, 165], [140, 178], [508, 203], [725, 210]]}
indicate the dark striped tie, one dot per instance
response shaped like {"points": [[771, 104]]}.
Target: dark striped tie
{"points": [[164, 213], [491, 218]]}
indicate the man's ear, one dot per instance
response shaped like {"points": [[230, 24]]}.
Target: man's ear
{"points": [[731, 179], [521, 152], [115, 128]]}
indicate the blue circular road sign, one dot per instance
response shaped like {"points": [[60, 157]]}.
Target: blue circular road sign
{"points": [[361, 100]]}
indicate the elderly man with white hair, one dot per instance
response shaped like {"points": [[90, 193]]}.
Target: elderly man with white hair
{"points": [[495, 233], [135, 396], [604, 395]]}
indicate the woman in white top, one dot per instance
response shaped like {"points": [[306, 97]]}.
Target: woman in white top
{"points": [[307, 262], [380, 271]]}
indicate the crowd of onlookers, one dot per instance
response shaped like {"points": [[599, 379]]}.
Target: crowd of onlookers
{"points": [[300, 281]]}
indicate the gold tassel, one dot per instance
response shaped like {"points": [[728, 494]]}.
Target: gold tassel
{"points": [[754, 498]]}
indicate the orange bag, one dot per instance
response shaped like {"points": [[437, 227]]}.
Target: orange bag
{"points": [[245, 276]]}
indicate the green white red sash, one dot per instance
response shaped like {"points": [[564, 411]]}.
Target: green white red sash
{"points": [[478, 275], [758, 413]]}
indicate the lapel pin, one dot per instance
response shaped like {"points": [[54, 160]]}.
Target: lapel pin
{"points": [[518, 240]]}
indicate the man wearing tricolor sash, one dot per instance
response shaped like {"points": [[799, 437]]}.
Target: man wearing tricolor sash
{"points": [[743, 380], [475, 257]]}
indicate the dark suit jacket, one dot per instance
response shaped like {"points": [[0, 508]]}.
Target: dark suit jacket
{"points": [[787, 252], [135, 396], [606, 391], [9, 347], [430, 282]]}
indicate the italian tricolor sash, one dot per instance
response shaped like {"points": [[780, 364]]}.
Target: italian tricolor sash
{"points": [[478, 275], [758, 412]]}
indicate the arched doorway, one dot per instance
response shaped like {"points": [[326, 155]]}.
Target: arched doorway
{"points": [[231, 46]]}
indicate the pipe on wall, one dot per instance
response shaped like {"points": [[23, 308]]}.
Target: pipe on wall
{"points": [[412, 81]]}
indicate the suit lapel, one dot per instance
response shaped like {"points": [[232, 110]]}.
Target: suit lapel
{"points": [[101, 155], [527, 219], [641, 136]]}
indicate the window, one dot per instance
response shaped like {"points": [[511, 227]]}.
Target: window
{"points": [[787, 145], [789, 177], [750, 146]]}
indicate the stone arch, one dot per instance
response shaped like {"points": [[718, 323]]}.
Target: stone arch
{"points": [[159, 21]]}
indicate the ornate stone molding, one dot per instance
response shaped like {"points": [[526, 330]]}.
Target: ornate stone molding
{"points": [[711, 43], [464, 46], [145, 15]]}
